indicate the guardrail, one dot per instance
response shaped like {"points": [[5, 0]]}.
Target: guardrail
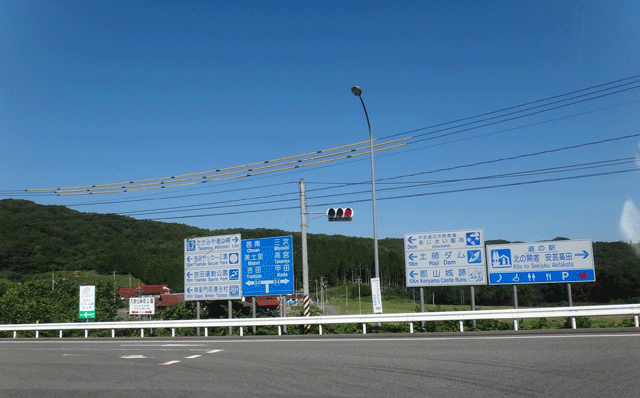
{"points": [[461, 316]]}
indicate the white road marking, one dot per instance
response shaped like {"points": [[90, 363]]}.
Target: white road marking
{"points": [[133, 357], [168, 363], [213, 351], [193, 356]]}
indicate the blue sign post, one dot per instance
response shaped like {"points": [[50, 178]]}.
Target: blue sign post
{"points": [[267, 266], [562, 261]]}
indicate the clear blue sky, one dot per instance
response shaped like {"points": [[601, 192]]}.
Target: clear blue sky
{"points": [[107, 92]]}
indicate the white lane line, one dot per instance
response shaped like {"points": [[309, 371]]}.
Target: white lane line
{"points": [[213, 351], [193, 356], [133, 357], [168, 363]]}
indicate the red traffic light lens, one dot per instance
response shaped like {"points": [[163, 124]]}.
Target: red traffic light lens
{"points": [[348, 212]]}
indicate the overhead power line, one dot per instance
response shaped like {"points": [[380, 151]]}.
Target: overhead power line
{"points": [[249, 170]]}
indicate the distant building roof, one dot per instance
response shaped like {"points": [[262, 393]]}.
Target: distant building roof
{"points": [[267, 302], [165, 300], [144, 290]]}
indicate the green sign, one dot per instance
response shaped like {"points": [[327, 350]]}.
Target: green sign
{"points": [[86, 314]]}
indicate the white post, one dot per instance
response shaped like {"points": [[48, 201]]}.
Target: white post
{"points": [[410, 327], [141, 332], [37, 334], [635, 320], [364, 328], [515, 324], [113, 333], [573, 322], [279, 330], [206, 332], [61, 334], [320, 328], [241, 331], [15, 334], [461, 326], [173, 332], [86, 333]]}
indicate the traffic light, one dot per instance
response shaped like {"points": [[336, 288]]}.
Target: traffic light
{"points": [[340, 214]]}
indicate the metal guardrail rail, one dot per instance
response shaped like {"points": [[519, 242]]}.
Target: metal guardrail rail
{"points": [[461, 316]]}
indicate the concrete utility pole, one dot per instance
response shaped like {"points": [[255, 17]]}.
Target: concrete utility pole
{"points": [[305, 262]]}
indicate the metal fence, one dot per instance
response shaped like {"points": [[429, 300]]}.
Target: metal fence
{"points": [[515, 315]]}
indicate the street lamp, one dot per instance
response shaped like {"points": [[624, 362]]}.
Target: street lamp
{"points": [[357, 91]]}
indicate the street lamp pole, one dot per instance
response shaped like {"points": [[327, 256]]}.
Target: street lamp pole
{"points": [[357, 91]]}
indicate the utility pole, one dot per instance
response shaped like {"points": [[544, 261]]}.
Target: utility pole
{"points": [[53, 282], [305, 261], [359, 280], [322, 292]]}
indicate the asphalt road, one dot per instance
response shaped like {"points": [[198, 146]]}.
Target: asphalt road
{"points": [[601, 363]]}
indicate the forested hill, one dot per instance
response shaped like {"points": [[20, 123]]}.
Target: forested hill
{"points": [[35, 239]]}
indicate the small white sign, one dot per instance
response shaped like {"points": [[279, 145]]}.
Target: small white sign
{"points": [[87, 298], [142, 305], [376, 295]]}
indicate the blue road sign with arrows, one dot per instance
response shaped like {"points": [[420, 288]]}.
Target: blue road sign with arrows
{"points": [[267, 266], [449, 258], [561, 261]]}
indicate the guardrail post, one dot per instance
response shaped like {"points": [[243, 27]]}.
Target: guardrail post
{"points": [[15, 334], [37, 334], [113, 333], [173, 332], [461, 326], [573, 322], [141, 332], [364, 328], [241, 331], [320, 328], [86, 333], [410, 327], [635, 321], [206, 332], [279, 330], [61, 334], [515, 324]]}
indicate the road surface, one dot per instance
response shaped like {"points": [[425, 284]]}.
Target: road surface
{"points": [[597, 363]]}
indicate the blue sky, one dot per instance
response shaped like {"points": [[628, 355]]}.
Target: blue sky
{"points": [[109, 92]]}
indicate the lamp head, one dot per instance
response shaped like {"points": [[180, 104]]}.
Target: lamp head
{"points": [[356, 90]]}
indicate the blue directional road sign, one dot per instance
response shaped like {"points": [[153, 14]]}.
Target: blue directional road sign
{"points": [[212, 268], [267, 266], [448, 258], [562, 261]]}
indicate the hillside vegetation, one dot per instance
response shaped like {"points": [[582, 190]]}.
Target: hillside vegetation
{"points": [[37, 239]]}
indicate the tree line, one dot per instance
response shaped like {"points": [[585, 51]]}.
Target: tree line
{"points": [[36, 240]]}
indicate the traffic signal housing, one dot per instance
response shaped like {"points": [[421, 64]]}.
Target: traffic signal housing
{"points": [[340, 213]]}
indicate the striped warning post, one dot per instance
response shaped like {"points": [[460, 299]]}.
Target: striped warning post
{"points": [[306, 312]]}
